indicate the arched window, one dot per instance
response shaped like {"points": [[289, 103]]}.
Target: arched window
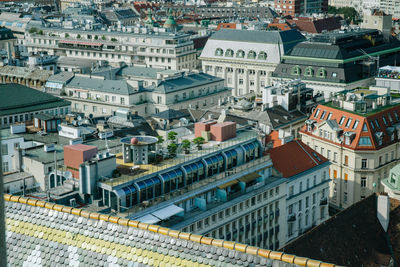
{"points": [[240, 53], [322, 73], [309, 72], [229, 53], [251, 54], [219, 52], [296, 71], [262, 55]]}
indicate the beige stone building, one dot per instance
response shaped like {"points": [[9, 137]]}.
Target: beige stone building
{"points": [[358, 131]]}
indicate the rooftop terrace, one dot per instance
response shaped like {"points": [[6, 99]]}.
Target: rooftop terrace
{"points": [[130, 173]]}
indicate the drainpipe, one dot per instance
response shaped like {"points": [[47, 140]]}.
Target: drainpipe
{"points": [[341, 173], [3, 250]]}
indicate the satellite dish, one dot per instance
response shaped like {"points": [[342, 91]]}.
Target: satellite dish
{"points": [[79, 118], [79, 123]]}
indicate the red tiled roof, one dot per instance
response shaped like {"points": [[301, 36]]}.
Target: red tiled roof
{"points": [[337, 115], [316, 25], [295, 157]]}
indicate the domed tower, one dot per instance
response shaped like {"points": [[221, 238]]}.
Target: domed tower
{"points": [[170, 23], [149, 20]]}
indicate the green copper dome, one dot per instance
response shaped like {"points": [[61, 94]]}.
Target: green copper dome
{"points": [[170, 22]]}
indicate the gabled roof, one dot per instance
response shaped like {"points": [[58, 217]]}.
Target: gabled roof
{"points": [[294, 158]]}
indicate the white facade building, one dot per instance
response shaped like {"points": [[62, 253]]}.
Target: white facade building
{"points": [[246, 59]]}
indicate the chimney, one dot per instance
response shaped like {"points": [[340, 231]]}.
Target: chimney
{"points": [[383, 210]]}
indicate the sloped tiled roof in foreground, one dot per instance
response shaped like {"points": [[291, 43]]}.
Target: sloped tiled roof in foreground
{"points": [[46, 234]]}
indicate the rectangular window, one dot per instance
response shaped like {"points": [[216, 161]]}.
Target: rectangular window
{"points": [[4, 149], [317, 113], [363, 181], [329, 116], [291, 190], [346, 160], [323, 115], [363, 163], [335, 174], [355, 124]]}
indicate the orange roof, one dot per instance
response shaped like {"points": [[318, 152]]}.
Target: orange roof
{"points": [[294, 158], [280, 26], [226, 26], [374, 124], [273, 138]]}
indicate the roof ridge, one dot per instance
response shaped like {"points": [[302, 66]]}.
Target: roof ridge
{"points": [[265, 253], [306, 152]]}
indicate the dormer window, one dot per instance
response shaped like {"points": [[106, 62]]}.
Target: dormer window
{"points": [[229, 53], [296, 71], [377, 123], [322, 73], [309, 72], [323, 115], [262, 55], [372, 125], [240, 53], [251, 54], [219, 52], [317, 113], [384, 120], [342, 120], [348, 122], [390, 118], [393, 178], [356, 124], [396, 116], [379, 138]]}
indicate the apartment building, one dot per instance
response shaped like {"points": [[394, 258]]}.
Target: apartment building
{"points": [[246, 58], [154, 47], [307, 186], [301, 7], [358, 131], [99, 97]]}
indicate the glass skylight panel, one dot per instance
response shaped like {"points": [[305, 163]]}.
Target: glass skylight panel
{"points": [[365, 141], [317, 113], [377, 123], [329, 116], [323, 115], [384, 120], [365, 128]]}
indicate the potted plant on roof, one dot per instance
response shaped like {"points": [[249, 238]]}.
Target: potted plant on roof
{"points": [[198, 141], [172, 150], [172, 136], [186, 145]]}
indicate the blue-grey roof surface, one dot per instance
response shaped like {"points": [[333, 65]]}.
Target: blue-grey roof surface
{"points": [[110, 86], [185, 82], [140, 72], [250, 36]]}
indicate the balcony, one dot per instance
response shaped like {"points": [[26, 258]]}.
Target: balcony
{"points": [[323, 201], [291, 218]]}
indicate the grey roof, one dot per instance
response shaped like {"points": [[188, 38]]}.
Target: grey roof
{"points": [[170, 114], [76, 62], [62, 77], [94, 84], [137, 71], [249, 36], [185, 82], [333, 124], [16, 98]]}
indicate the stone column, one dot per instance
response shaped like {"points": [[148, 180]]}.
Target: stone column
{"points": [[258, 89], [235, 82], [246, 82]]}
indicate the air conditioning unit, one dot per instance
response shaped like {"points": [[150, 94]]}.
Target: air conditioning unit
{"points": [[49, 147]]}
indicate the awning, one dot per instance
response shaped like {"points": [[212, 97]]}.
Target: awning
{"points": [[231, 183], [249, 177], [167, 212], [150, 219], [79, 43]]}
